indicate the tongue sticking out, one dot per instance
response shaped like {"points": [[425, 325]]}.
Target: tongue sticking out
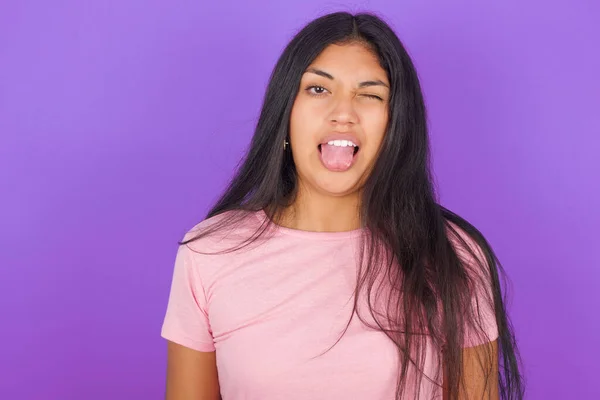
{"points": [[337, 158]]}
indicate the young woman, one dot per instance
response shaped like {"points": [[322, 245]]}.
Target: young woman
{"points": [[327, 270]]}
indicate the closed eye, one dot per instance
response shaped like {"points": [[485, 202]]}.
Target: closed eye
{"points": [[372, 96]]}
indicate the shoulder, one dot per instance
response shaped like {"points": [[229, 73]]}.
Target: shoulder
{"points": [[471, 248], [460, 238], [221, 231], [465, 237]]}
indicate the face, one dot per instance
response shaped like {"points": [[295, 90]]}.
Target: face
{"points": [[343, 97]]}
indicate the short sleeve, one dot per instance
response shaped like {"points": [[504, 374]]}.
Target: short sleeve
{"points": [[186, 321], [481, 327]]}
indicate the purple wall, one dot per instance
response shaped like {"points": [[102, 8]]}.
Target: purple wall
{"points": [[120, 121]]}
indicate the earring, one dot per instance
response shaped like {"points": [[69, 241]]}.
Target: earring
{"points": [[285, 144]]}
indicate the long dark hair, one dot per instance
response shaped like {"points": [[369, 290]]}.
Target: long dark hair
{"points": [[429, 253]]}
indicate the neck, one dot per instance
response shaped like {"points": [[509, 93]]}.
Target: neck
{"points": [[318, 213]]}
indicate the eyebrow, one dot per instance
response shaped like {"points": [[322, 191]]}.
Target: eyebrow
{"points": [[376, 82]]}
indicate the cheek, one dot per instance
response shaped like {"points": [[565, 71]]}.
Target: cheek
{"points": [[375, 125], [304, 125]]}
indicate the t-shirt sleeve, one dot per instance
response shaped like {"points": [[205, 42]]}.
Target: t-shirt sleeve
{"points": [[186, 321], [481, 327]]}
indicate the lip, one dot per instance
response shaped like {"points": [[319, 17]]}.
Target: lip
{"points": [[341, 136]]}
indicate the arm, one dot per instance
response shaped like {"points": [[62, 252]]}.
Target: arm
{"points": [[480, 373], [191, 374]]}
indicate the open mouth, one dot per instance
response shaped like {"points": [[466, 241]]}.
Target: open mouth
{"points": [[356, 148], [338, 157]]}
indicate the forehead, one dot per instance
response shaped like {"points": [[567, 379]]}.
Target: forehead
{"points": [[350, 61]]}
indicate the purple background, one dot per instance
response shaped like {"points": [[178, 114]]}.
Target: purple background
{"points": [[120, 122]]}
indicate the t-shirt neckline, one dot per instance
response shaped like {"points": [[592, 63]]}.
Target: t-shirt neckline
{"points": [[315, 235]]}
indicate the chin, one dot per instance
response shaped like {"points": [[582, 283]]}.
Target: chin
{"points": [[337, 186]]}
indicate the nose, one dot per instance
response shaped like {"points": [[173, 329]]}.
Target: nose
{"points": [[343, 112]]}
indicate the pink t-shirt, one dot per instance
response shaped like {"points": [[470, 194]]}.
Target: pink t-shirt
{"points": [[271, 311]]}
